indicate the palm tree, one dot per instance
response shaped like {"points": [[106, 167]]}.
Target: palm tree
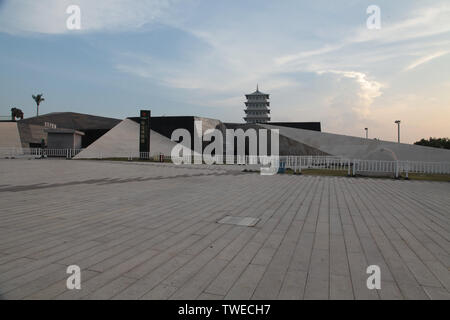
{"points": [[38, 98]]}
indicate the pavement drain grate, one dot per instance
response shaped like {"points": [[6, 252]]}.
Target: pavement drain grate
{"points": [[239, 221]]}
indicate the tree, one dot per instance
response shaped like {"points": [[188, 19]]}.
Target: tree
{"points": [[443, 143], [38, 99]]}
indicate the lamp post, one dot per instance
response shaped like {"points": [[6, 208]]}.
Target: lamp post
{"points": [[398, 127], [367, 133]]}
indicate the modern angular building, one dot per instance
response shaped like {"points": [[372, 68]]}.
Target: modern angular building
{"points": [[113, 138], [257, 107], [33, 130]]}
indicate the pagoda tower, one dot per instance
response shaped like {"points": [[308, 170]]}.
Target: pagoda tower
{"points": [[257, 107]]}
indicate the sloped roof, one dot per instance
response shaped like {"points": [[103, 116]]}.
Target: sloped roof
{"points": [[358, 148], [123, 141], [257, 93], [73, 120]]}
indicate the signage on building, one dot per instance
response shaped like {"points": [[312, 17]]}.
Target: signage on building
{"points": [[144, 134]]}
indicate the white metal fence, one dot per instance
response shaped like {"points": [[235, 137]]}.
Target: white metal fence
{"points": [[358, 166], [38, 153], [296, 163]]}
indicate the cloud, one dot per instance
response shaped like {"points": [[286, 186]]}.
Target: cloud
{"points": [[282, 60], [49, 16], [368, 89], [426, 59], [327, 67], [420, 23]]}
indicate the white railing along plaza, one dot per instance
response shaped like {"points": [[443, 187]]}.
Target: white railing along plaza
{"points": [[355, 166], [296, 163], [38, 152]]}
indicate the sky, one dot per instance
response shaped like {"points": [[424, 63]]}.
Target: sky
{"points": [[318, 60]]}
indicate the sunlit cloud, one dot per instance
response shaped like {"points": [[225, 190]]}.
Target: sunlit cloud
{"points": [[369, 89]]}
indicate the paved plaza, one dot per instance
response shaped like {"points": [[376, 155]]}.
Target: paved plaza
{"points": [[151, 231]]}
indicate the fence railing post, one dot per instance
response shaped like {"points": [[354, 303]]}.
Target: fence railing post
{"points": [[396, 169], [407, 169]]}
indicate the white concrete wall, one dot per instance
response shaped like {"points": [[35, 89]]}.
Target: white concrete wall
{"points": [[123, 139], [9, 135], [360, 148]]}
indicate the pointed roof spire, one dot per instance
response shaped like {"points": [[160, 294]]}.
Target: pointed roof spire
{"points": [[257, 92]]}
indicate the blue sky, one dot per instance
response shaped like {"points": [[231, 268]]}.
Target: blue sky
{"points": [[317, 59]]}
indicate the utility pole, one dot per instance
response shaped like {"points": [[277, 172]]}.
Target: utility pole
{"points": [[367, 133], [398, 127]]}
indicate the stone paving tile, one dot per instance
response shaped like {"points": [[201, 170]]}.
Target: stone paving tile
{"points": [[150, 231], [244, 287], [293, 287], [209, 296]]}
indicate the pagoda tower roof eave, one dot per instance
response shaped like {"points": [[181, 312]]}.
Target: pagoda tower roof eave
{"points": [[254, 94]]}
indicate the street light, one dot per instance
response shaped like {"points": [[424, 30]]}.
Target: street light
{"points": [[398, 126], [367, 133]]}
